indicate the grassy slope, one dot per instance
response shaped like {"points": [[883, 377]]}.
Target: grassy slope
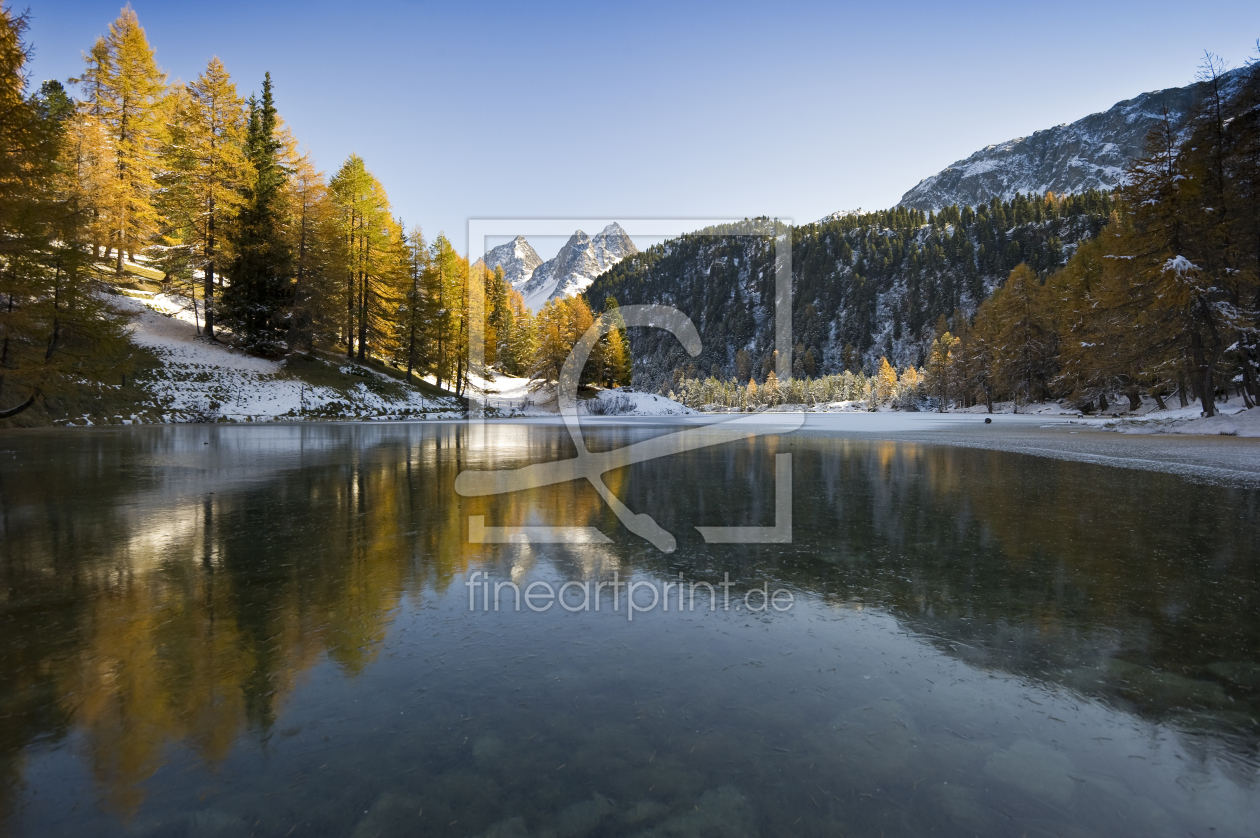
{"points": [[131, 399]]}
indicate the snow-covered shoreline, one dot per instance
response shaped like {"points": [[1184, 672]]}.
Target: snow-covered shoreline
{"points": [[200, 380], [205, 381], [510, 397], [1232, 418]]}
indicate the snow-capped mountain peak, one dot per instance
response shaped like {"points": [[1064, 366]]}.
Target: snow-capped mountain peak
{"points": [[517, 258], [611, 245], [569, 272]]}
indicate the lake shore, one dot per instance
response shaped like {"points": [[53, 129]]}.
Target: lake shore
{"points": [[1223, 460]]}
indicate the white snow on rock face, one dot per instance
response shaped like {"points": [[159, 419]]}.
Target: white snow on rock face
{"points": [[570, 272], [1091, 153], [517, 259], [611, 245]]}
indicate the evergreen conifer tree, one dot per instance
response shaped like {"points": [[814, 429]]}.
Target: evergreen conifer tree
{"points": [[257, 299], [417, 311], [1026, 344]]}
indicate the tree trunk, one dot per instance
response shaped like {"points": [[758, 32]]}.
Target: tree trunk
{"points": [[296, 314], [1250, 395], [363, 318], [1207, 388], [350, 296], [208, 284], [208, 294], [363, 298]]}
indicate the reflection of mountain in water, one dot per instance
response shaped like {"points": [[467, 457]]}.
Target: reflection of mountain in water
{"points": [[194, 584]]}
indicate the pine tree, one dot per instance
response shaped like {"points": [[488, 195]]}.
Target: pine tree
{"points": [[743, 364], [1243, 166], [206, 171], [552, 346], [524, 339], [446, 284], [257, 299], [56, 332], [498, 311], [939, 379], [1162, 302], [124, 90], [416, 316], [1026, 346], [364, 222], [1211, 287]]}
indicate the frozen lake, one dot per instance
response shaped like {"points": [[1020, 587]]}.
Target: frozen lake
{"points": [[1028, 627]]}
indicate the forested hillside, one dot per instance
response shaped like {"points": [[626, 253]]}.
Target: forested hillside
{"points": [[124, 181], [1153, 291], [864, 285]]}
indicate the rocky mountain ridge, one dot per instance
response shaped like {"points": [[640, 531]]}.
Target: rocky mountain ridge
{"points": [[1090, 153], [569, 272], [517, 258]]}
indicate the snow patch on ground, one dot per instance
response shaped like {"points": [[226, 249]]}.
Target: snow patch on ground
{"points": [[203, 380], [1231, 420], [1046, 409], [1050, 409], [509, 396]]}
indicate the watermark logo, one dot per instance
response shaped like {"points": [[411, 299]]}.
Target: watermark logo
{"points": [[590, 465], [639, 596]]}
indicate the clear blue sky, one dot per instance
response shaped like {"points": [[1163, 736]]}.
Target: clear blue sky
{"points": [[467, 109]]}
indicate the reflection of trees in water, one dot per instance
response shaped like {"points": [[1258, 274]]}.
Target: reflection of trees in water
{"points": [[1135, 586], [186, 617], [161, 592]]}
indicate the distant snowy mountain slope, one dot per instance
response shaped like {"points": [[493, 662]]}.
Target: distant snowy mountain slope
{"points": [[569, 272], [517, 259], [1091, 153]]}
